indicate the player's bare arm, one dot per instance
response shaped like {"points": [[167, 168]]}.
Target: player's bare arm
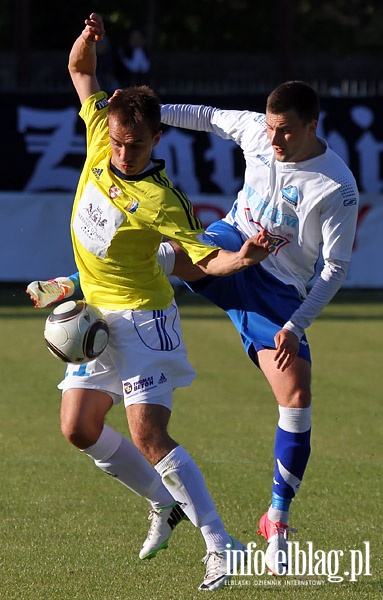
{"points": [[83, 58], [221, 262], [224, 262]]}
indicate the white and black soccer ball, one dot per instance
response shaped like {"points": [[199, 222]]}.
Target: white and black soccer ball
{"points": [[76, 332]]}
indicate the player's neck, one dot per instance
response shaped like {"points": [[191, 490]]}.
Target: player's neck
{"points": [[318, 148]]}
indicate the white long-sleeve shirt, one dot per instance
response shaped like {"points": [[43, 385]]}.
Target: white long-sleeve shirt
{"points": [[306, 207]]}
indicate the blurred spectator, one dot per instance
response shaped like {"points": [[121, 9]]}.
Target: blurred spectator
{"points": [[135, 59], [106, 66]]}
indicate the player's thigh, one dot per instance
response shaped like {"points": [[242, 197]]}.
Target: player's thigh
{"points": [[291, 387], [147, 421]]}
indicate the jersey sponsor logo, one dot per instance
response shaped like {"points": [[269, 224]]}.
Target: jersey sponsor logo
{"points": [[97, 172], [96, 215], [349, 202], [132, 205], [100, 104], [272, 214], [114, 191], [290, 194], [96, 220]]}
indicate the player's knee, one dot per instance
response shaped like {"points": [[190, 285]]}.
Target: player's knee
{"points": [[300, 398], [304, 399], [152, 442], [80, 433]]}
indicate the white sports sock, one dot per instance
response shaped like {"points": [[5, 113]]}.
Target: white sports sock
{"points": [[294, 420], [117, 456], [185, 482], [215, 536], [278, 516]]}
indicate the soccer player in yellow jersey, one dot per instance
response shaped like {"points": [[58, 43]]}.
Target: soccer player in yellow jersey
{"points": [[123, 207]]}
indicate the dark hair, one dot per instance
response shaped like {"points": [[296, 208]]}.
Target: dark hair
{"points": [[295, 95], [134, 105]]}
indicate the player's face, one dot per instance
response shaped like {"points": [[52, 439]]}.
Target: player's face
{"points": [[292, 139], [131, 146]]}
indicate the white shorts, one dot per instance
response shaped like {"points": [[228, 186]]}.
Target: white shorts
{"points": [[144, 361]]}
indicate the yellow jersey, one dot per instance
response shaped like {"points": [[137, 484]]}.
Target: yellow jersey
{"points": [[119, 221]]}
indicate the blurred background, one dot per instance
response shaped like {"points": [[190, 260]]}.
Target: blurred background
{"points": [[209, 46], [226, 53]]}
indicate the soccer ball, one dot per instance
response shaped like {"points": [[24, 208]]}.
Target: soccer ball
{"points": [[76, 332]]}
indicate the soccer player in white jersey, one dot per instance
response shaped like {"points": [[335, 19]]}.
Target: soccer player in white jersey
{"points": [[123, 206], [303, 195]]}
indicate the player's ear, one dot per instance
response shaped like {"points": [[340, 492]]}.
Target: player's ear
{"points": [[157, 138], [114, 95], [313, 126]]}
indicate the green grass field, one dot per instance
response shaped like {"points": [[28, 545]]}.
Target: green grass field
{"points": [[69, 532]]}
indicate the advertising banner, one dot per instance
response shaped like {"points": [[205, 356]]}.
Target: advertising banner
{"points": [[46, 150]]}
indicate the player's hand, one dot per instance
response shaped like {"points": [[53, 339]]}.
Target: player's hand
{"points": [[257, 248], [287, 345], [45, 293], [94, 28]]}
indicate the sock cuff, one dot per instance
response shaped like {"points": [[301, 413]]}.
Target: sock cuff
{"points": [[294, 420], [176, 457], [107, 444]]}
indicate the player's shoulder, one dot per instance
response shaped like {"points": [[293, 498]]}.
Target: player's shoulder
{"points": [[95, 104], [339, 180], [247, 128], [338, 169], [94, 114], [248, 117]]}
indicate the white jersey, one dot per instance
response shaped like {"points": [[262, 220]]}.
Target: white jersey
{"points": [[305, 206]]}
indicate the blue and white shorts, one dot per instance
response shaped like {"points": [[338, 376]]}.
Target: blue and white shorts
{"points": [[144, 361], [257, 302]]}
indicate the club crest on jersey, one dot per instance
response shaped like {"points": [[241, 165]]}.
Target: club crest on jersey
{"points": [[277, 241], [114, 191], [132, 205], [290, 194], [97, 172]]}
